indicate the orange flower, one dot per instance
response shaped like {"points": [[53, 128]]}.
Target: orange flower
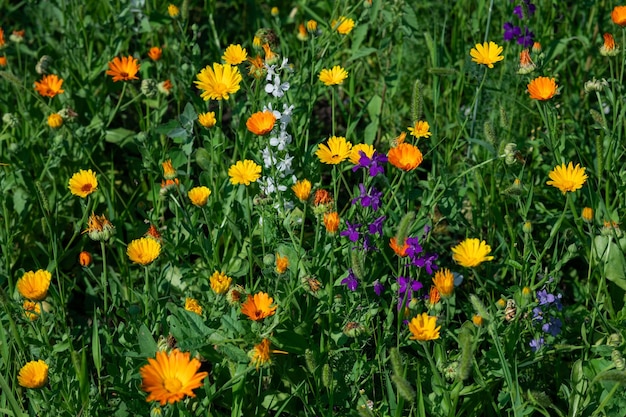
{"points": [[3, 61], [542, 88], [257, 67], [331, 222], [322, 197], [84, 258], [124, 69], [2, 41], [405, 156], [282, 263], [444, 281], [526, 64], [618, 15], [49, 86], [400, 251], [153, 233], [609, 48], [261, 123], [258, 307], [155, 53], [433, 296]]}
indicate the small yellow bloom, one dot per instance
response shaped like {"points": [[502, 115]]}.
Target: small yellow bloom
{"points": [[355, 152], [587, 214], [311, 25], [274, 11], [444, 281], [471, 253], [567, 178], [220, 282], [336, 75], [302, 35], [260, 355], [169, 172], [343, 25], [487, 54], [282, 263], [143, 250], [244, 172], [32, 310], [302, 190], [83, 183], [207, 119], [34, 285], [422, 327], [55, 121], [33, 375], [173, 11], [336, 151], [420, 129], [235, 55], [199, 196], [477, 320], [191, 304]]}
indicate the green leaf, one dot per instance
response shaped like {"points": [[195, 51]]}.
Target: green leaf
{"points": [[119, 136], [362, 53], [147, 345], [203, 159]]}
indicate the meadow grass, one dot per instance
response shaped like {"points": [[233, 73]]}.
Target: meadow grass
{"points": [[175, 242]]}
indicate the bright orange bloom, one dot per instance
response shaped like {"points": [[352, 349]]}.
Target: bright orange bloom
{"points": [[609, 48], [444, 281], [2, 41], [331, 222], [542, 88], [49, 86], [155, 53], [84, 258], [405, 156], [433, 296], [618, 15], [3, 61], [169, 173], [400, 251], [261, 123], [526, 64], [282, 263], [124, 69], [322, 197], [258, 307]]}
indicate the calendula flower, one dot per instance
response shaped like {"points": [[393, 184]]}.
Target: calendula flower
{"points": [[143, 250], [3, 61], [165, 87], [405, 156], [618, 15], [609, 48], [258, 307], [84, 258], [235, 294], [567, 178], [173, 11], [355, 152], [207, 119], [422, 327], [311, 25], [282, 263], [274, 11], [244, 172], [477, 320], [219, 82], [33, 375], [55, 121], [331, 222], [220, 282], [49, 86], [471, 253], [153, 233], [256, 42], [487, 54], [83, 183], [199, 196], [191, 304], [155, 53], [99, 228], [420, 129], [260, 355], [526, 64], [302, 35], [542, 88], [334, 76], [169, 172], [34, 285], [434, 296], [302, 190], [322, 197], [256, 67], [343, 25], [444, 281], [124, 69], [270, 56], [32, 310], [234, 55], [171, 376], [587, 214], [399, 250], [336, 151], [261, 123]]}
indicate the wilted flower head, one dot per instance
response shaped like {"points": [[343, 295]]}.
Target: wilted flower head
{"points": [[99, 228]]}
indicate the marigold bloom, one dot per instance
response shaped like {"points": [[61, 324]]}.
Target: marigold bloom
{"points": [[207, 119], [567, 178], [434, 296], [355, 152], [258, 307], [124, 69], [311, 25], [220, 282], [3, 61], [542, 88], [2, 40], [83, 183], [32, 310], [526, 64], [331, 222], [343, 25], [336, 75], [609, 48], [405, 156], [587, 214], [444, 281], [199, 196], [244, 172], [399, 250], [49, 86], [420, 129], [191, 304], [270, 56], [536, 47], [256, 41], [84, 258], [165, 87], [618, 15], [143, 250], [218, 82], [322, 197], [171, 376], [336, 151], [153, 233], [487, 54], [168, 185], [234, 55], [471, 252], [302, 190], [422, 327], [261, 123], [257, 67], [302, 35], [55, 121], [155, 53], [99, 228], [33, 375], [169, 172], [260, 355], [477, 320], [173, 11], [282, 263], [274, 11]]}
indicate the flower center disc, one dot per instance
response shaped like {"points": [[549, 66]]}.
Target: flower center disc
{"points": [[172, 385]]}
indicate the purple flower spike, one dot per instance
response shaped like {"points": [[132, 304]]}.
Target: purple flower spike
{"points": [[352, 232], [350, 281], [377, 226], [426, 261], [526, 40], [378, 288], [511, 32], [536, 343]]}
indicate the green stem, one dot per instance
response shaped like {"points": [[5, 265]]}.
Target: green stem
{"points": [[119, 102], [104, 280]]}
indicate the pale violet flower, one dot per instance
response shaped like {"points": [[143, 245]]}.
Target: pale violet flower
{"points": [[271, 71], [281, 141], [268, 186], [269, 159], [276, 113], [277, 89], [285, 65], [284, 165]]}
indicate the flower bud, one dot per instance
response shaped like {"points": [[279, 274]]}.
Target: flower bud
{"points": [[84, 258]]}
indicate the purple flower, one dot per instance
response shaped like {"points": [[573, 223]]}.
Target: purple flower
{"points": [[373, 164], [405, 290], [511, 32], [536, 343], [371, 199], [426, 261], [414, 247], [352, 232], [519, 10], [553, 326], [546, 298], [367, 245], [377, 226], [537, 313], [378, 288], [526, 40], [350, 281]]}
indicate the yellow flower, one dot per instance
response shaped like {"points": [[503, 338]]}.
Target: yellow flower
{"points": [[487, 54], [234, 55], [587, 214], [260, 355], [34, 284], [49, 86], [274, 11], [220, 282], [355, 152], [83, 183], [343, 25], [282, 263], [311, 25], [567, 178], [302, 190], [207, 119], [618, 15], [99, 228], [173, 11], [244, 172], [334, 76], [124, 69], [302, 35], [331, 222], [422, 327], [155, 53], [143, 250], [169, 172], [191, 304], [32, 310], [199, 196], [433, 296], [444, 281], [218, 82], [170, 377], [33, 375], [258, 307], [542, 88], [405, 156], [420, 129], [261, 123], [337, 150], [256, 42], [55, 120], [477, 320], [471, 252]]}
